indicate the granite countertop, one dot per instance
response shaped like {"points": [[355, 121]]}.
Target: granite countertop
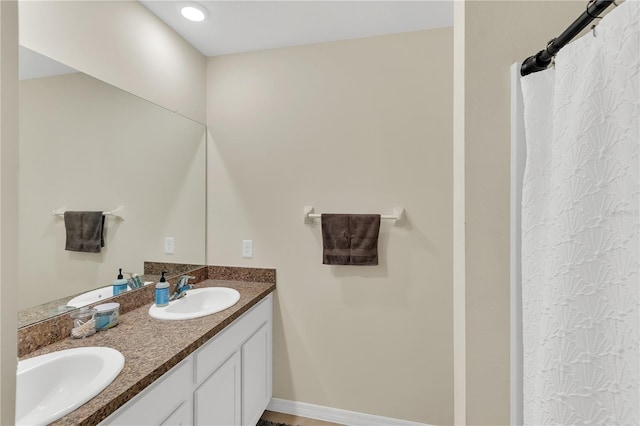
{"points": [[152, 347]]}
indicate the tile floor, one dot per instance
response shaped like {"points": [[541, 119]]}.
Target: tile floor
{"points": [[289, 419]]}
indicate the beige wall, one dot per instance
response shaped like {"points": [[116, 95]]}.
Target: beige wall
{"points": [[122, 43], [355, 126], [497, 34], [8, 206], [86, 145]]}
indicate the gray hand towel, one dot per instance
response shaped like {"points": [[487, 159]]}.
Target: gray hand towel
{"points": [[364, 230], [336, 241], [350, 239], [85, 231]]}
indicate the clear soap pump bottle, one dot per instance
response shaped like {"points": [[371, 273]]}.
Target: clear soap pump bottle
{"points": [[162, 292]]}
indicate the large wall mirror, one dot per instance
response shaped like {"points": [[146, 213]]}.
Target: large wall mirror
{"points": [[88, 146]]}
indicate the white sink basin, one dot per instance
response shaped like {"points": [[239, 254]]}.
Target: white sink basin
{"points": [[197, 303], [53, 385], [94, 296]]}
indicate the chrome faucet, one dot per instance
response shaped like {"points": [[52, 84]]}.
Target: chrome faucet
{"points": [[134, 281], [182, 287]]}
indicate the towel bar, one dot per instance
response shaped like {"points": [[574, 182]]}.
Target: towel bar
{"points": [[117, 212], [397, 216]]}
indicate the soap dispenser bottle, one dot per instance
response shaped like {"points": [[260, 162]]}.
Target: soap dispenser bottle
{"points": [[162, 292], [119, 285]]}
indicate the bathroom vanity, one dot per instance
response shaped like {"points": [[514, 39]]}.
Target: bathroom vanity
{"points": [[213, 370], [225, 382]]}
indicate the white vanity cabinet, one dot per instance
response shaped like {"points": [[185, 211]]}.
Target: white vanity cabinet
{"points": [[229, 380], [167, 401], [239, 357]]}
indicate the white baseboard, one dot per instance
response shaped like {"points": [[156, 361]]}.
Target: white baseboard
{"points": [[334, 415]]}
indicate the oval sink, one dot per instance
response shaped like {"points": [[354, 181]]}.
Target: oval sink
{"points": [[96, 295], [52, 385], [197, 303], [92, 296]]}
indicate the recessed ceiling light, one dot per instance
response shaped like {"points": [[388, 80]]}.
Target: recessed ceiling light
{"points": [[194, 11]]}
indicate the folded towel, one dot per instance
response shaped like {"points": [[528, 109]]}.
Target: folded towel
{"points": [[85, 231], [364, 229], [336, 241], [350, 239]]}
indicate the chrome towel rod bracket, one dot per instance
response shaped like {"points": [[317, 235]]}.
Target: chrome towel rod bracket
{"points": [[397, 216]]}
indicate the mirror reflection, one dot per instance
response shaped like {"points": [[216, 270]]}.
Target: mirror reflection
{"points": [[88, 146]]}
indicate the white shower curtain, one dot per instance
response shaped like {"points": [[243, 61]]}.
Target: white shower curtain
{"points": [[580, 231]]}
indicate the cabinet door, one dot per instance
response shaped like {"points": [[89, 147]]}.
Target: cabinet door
{"points": [[166, 402], [217, 401], [180, 417], [256, 375]]}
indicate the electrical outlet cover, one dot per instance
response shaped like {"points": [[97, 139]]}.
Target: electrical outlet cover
{"points": [[247, 249]]}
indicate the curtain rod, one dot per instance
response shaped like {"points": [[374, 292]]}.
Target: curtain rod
{"points": [[541, 60]]}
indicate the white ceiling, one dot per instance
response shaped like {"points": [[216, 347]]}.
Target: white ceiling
{"points": [[244, 26]]}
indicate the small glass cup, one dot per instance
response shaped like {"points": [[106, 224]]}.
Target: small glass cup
{"points": [[83, 326]]}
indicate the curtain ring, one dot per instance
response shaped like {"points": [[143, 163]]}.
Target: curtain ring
{"points": [[589, 13]]}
